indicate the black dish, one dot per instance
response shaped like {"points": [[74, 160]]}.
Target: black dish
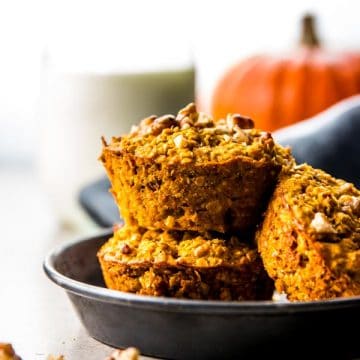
{"points": [[189, 329], [99, 204]]}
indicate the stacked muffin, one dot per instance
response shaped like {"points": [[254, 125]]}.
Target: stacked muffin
{"points": [[190, 191]]}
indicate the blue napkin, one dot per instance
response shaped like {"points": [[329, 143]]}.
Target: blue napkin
{"points": [[328, 141]]}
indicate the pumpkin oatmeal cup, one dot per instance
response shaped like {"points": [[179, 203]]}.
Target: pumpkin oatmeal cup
{"points": [[310, 238], [190, 173], [183, 265]]}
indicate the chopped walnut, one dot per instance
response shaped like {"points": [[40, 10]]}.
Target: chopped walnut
{"points": [[226, 137], [350, 203], [163, 122], [7, 352], [238, 121], [321, 224], [204, 120], [345, 188], [148, 121], [355, 203], [55, 357], [166, 120], [130, 353], [186, 122], [134, 129], [266, 135], [144, 127], [213, 130], [179, 141], [300, 167], [170, 221], [188, 111]]}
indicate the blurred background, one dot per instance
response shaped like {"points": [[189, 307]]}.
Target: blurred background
{"points": [[72, 71]]}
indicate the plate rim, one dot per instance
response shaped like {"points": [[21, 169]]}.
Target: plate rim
{"points": [[102, 294]]}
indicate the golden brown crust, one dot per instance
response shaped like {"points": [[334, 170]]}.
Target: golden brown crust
{"points": [[183, 265], [208, 177], [309, 240]]}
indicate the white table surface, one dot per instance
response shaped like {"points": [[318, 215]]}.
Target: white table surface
{"points": [[35, 315]]}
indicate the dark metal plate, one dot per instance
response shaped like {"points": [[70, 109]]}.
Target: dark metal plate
{"points": [[190, 329]]}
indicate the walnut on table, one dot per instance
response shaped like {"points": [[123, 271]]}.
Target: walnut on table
{"points": [[56, 357], [7, 352], [130, 353]]}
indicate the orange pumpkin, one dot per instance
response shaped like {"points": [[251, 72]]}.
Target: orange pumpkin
{"points": [[280, 90]]}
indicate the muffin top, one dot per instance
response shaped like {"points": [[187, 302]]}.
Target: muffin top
{"points": [[192, 137], [134, 245], [329, 208]]}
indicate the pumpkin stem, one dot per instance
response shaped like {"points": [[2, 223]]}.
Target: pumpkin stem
{"points": [[309, 36]]}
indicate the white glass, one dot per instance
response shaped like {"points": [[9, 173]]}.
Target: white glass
{"points": [[83, 100]]}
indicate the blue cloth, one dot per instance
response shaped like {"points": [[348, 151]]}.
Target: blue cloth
{"points": [[329, 141]]}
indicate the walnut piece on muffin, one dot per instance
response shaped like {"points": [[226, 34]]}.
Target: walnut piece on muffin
{"points": [[187, 172], [310, 238]]}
